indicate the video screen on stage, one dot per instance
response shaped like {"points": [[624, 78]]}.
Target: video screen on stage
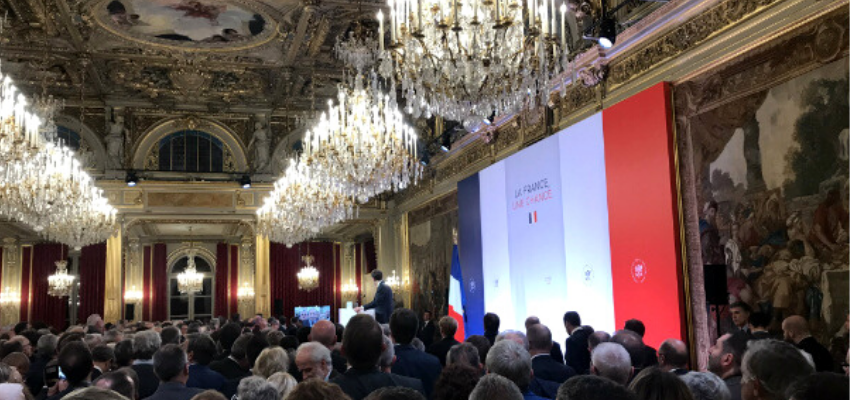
{"points": [[557, 227], [310, 315]]}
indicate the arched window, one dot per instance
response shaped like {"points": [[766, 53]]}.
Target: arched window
{"points": [[191, 306], [68, 137], [191, 151]]}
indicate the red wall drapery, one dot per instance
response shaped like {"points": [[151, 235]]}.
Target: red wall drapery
{"points": [[147, 305], [92, 281], [284, 264], [371, 257], [160, 283], [337, 275], [221, 281], [51, 310], [234, 280], [26, 273]]}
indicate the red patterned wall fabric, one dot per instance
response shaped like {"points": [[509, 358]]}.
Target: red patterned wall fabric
{"points": [[285, 263], [92, 281]]}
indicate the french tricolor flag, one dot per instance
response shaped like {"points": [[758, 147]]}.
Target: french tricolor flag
{"points": [[456, 296]]}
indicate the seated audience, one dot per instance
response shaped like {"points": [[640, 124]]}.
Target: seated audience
{"points": [[612, 361], [465, 354], [283, 382], [118, 381], [362, 345], [770, 367], [597, 337], [509, 359], [796, 330], [589, 387], [410, 361], [673, 356], [655, 384], [705, 386], [576, 353], [724, 360], [821, 385], [171, 366], [103, 357], [495, 387], [75, 361], [201, 351], [257, 388], [456, 382], [395, 393], [315, 389], [145, 344], [544, 365], [314, 361], [482, 344], [448, 328]]}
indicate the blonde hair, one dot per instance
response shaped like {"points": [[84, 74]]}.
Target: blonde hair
{"points": [[271, 360], [283, 382]]}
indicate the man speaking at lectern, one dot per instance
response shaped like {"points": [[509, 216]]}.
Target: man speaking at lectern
{"points": [[383, 301]]}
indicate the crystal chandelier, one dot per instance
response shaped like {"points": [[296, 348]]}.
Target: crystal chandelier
{"points": [[395, 282], [245, 293], [468, 60], [308, 276], [190, 281], [350, 287], [9, 299], [60, 283], [133, 295]]}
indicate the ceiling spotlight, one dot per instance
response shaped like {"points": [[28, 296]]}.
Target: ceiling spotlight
{"points": [[245, 182], [607, 33], [131, 178], [446, 143]]}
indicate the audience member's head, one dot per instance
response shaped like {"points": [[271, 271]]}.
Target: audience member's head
{"points": [[636, 326], [303, 334], [271, 360], [511, 360], [283, 382], [539, 339], [170, 364], [495, 387], [633, 343], [363, 342], [394, 393], [456, 382], [257, 388], [46, 345], [403, 325], [145, 344], [94, 393], [590, 387], [759, 321], [464, 353], [11, 346], [93, 340], [228, 334], [513, 336], [724, 358], [482, 344], [795, 328], [76, 362], [170, 335], [706, 386], [209, 395], [491, 323], [239, 350], [124, 353], [448, 327], [18, 360], [571, 321], [673, 354], [597, 337], [315, 389], [26, 345], [323, 332], [821, 385], [118, 381], [201, 349], [103, 357], [417, 344], [769, 367], [290, 343], [113, 336], [530, 321], [314, 361], [256, 345], [275, 338], [387, 355], [656, 384], [740, 313], [612, 361], [134, 376]]}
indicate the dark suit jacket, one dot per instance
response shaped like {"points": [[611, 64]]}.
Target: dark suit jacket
{"points": [[148, 381], [546, 368], [650, 356], [358, 383], [820, 355], [762, 335], [173, 391], [340, 364], [60, 395], [441, 349], [35, 376], [95, 373], [426, 333], [556, 353], [491, 336], [232, 373], [417, 364], [578, 356], [202, 377], [382, 303]]}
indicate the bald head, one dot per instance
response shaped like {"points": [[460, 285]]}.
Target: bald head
{"points": [[795, 328], [596, 338], [324, 332], [531, 321], [673, 354], [633, 343], [539, 339]]}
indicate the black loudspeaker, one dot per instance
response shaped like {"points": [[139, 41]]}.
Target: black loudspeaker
{"points": [[716, 292], [129, 312], [278, 307]]}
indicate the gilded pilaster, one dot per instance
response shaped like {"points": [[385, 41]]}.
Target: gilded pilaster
{"points": [[113, 301], [11, 284], [262, 288]]}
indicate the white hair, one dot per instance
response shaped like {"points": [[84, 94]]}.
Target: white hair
{"points": [[317, 351], [509, 359], [388, 354], [706, 386], [612, 361], [493, 386], [516, 336], [776, 365]]}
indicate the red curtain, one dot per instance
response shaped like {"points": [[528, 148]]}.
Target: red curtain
{"points": [[147, 305], [234, 280], [337, 275], [284, 264], [221, 279], [371, 256], [160, 283], [26, 273], [92, 281], [51, 310]]}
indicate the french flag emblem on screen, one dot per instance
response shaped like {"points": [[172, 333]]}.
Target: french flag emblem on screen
{"points": [[532, 217]]}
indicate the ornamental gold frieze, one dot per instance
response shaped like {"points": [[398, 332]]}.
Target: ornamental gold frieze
{"points": [[682, 38]]}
